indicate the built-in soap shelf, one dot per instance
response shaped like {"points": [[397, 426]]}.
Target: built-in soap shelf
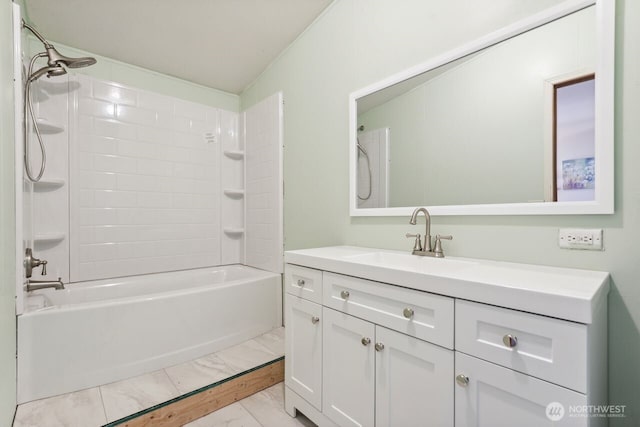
{"points": [[46, 127], [233, 231], [234, 193], [52, 237], [234, 154], [48, 184]]}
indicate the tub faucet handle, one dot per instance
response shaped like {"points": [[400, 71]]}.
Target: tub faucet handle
{"points": [[44, 267]]}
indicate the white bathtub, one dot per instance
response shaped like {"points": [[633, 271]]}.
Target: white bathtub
{"points": [[102, 331]]}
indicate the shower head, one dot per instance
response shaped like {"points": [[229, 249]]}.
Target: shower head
{"points": [[55, 58], [57, 70]]}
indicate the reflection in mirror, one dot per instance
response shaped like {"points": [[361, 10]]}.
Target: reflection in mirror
{"points": [[511, 124]]}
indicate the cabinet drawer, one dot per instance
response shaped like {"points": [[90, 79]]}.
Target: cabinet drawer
{"points": [[419, 314], [303, 282], [551, 349]]}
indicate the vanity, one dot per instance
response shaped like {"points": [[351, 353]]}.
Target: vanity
{"points": [[385, 338]]}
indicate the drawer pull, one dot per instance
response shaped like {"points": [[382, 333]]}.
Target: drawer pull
{"points": [[315, 319], [365, 341], [300, 282], [344, 294], [379, 346], [462, 380], [408, 312], [510, 340]]}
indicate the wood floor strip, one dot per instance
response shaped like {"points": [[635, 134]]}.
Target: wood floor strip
{"points": [[192, 406]]}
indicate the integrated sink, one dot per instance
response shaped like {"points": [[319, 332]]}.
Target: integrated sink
{"points": [[401, 261]]}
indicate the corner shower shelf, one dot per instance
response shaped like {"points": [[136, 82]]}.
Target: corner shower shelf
{"points": [[234, 193], [45, 126], [48, 184], [234, 154], [231, 231], [49, 237]]}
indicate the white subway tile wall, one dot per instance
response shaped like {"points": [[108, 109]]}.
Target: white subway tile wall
{"points": [[144, 182], [263, 180]]}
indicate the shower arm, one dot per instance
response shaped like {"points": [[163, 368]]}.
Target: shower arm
{"points": [[37, 34]]}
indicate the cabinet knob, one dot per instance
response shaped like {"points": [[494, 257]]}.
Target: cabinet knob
{"points": [[462, 380], [365, 341], [300, 282], [510, 340], [408, 312], [344, 294], [315, 319], [379, 346]]}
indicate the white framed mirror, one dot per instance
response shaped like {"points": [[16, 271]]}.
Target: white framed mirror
{"points": [[519, 122]]}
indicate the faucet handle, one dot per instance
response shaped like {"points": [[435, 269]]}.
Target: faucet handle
{"points": [[417, 246], [437, 250], [43, 263]]}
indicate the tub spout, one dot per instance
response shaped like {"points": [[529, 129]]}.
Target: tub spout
{"points": [[34, 285]]}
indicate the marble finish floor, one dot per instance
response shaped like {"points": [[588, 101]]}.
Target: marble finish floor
{"points": [[97, 406]]}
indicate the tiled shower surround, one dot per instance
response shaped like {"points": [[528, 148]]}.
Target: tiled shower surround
{"points": [[144, 182], [154, 183]]}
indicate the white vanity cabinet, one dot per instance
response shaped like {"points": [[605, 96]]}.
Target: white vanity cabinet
{"points": [[303, 333], [375, 376], [422, 342]]}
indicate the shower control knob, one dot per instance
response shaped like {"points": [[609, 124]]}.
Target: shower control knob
{"points": [[344, 294], [300, 282], [315, 319]]}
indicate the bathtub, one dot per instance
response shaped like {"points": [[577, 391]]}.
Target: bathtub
{"points": [[103, 331]]}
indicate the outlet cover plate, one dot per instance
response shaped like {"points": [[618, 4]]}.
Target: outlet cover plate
{"points": [[581, 238]]}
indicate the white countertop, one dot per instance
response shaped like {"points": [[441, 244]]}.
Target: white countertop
{"points": [[565, 293]]}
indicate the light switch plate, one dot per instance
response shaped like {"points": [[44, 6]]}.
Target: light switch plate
{"points": [[581, 238]]}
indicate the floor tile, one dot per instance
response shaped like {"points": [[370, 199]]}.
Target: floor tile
{"points": [[135, 394], [273, 340], [268, 408], [198, 373], [79, 409], [245, 356], [234, 415]]}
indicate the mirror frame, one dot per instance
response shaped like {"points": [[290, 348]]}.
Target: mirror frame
{"points": [[604, 122]]}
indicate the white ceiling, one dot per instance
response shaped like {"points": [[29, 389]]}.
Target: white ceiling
{"points": [[224, 44]]}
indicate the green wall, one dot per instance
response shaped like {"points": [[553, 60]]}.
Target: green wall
{"points": [[7, 221], [358, 42], [131, 75]]}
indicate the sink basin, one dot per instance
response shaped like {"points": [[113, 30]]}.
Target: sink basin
{"points": [[401, 261]]}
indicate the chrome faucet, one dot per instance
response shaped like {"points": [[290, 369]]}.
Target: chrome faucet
{"points": [[42, 284], [425, 249]]}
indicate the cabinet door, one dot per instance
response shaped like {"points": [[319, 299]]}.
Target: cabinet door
{"points": [[499, 397], [303, 349], [414, 384], [348, 369]]}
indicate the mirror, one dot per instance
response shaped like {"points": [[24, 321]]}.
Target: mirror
{"points": [[518, 122]]}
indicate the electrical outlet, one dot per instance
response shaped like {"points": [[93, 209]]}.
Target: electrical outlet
{"points": [[581, 238]]}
